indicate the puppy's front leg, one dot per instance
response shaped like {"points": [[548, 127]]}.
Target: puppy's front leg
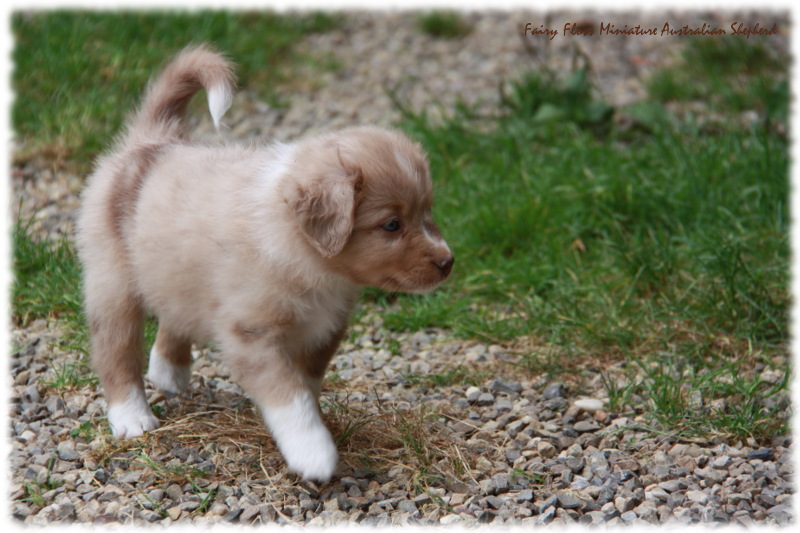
{"points": [[289, 405], [301, 436]]}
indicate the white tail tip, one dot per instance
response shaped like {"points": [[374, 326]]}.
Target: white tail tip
{"points": [[219, 100]]}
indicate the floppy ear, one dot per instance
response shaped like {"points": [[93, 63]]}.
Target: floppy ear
{"points": [[325, 210]]}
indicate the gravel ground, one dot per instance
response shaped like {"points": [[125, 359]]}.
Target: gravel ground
{"points": [[498, 446]]}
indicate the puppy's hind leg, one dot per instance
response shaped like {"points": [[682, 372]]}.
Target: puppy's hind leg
{"points": [[117, 336], [170, 368]]}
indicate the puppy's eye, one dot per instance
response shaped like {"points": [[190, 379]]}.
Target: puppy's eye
{"points": [[392, 225]]}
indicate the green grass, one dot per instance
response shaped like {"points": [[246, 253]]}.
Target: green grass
{"points": [[85, 431], [460, 375], [444, 24], [702, 402], [72, 375], [36, 490], [81, 71], [589, 238], [47, 276], [727, 75], [169, 474]]}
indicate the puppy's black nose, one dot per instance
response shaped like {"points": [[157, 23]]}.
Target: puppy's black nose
{"points": [[445, 265]]}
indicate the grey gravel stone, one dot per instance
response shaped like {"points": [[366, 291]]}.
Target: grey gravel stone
{"points": [[782, 514], [657, 493], [568, 501], [486, 398], [189, 506], [407, 506], [585, 426], [524, 496], [762, 454], [545, 449], [500, 482], [422, 499], [576, 464], [503, 386], [579, 483], [673, 485], [624, 504], [592, 518], [547, 515], [589, 404], [503, 405], [472, 394], [647, 511], [556, 390]]}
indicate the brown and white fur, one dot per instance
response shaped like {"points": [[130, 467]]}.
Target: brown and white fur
{"points": [[260, 249]]}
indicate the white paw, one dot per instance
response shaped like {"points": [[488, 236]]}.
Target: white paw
{"points": [[132, 417], [314, 457], [166, 377], [302, 438]]}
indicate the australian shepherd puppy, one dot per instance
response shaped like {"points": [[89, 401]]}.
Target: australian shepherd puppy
{"points": [[261, 249]]}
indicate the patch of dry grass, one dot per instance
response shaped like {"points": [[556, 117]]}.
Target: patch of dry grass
{"points": [[413, 444]]}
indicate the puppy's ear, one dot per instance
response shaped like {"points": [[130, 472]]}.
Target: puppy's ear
{"points": [[325, 210]]}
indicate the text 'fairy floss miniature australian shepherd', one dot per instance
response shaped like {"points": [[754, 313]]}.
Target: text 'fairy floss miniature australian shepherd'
{"points": [[261, 249]]}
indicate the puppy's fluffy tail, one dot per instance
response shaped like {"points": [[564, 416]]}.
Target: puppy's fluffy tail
{"points": [[164, 105]]}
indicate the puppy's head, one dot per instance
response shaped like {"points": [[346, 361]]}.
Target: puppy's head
{"points": [[364, 204]]}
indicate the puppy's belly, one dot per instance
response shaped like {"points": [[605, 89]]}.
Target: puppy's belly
{"points": [[192, 319]]}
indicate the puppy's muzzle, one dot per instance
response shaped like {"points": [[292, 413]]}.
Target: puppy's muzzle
{"points": [[445, 265]]}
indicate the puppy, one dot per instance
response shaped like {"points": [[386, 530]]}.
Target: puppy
{"points": [[260, 249]]}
